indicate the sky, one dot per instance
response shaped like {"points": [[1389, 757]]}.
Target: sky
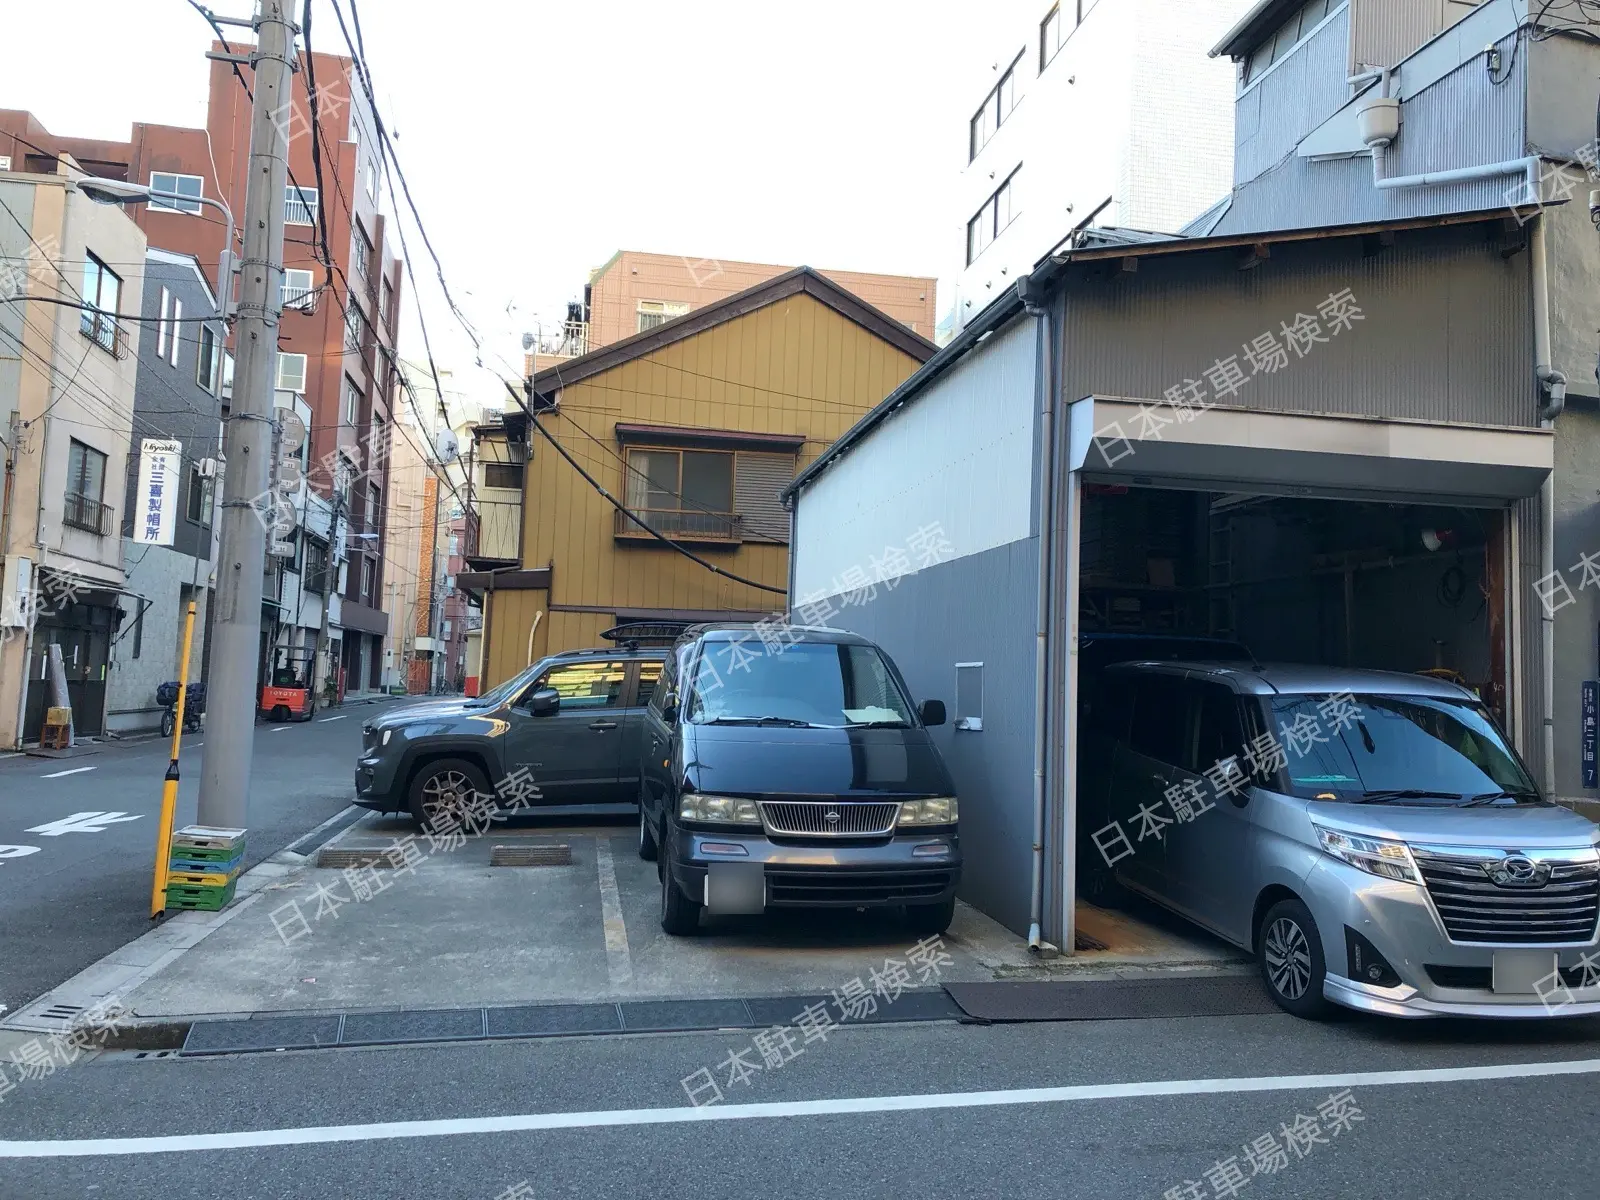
{"points": [[539, 138]]}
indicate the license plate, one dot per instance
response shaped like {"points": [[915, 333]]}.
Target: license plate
{"points": [[1517, 971]]}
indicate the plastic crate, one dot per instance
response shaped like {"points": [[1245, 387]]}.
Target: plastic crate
{"points": [[198, 879], [205, 899], [206, 837]]}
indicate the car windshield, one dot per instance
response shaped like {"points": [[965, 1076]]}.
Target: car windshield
{"points": [[511, 687], [809, 683], [1395, 750]]}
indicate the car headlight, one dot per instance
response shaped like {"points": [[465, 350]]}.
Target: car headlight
{"points": [[937, 810], [1391, 860], [387, 734], [718, 810]]}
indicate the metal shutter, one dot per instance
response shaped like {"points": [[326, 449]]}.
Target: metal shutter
{"points": [[758, 480]]}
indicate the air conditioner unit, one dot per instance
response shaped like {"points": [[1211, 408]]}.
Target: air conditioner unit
{"points": [[207, 468]]}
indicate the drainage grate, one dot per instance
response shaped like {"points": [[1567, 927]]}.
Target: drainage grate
{"points": [[333, 856], [531, 856], [144, 1054], [61, 1012]]}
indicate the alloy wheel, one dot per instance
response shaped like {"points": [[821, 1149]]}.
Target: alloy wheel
{"points": [[445, 795], [1288, 957]]}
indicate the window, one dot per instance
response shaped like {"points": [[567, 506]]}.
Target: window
{"points": [[996, 107], [352, 328], [102, 291], [296, 290], [316, 566], [352, 402], [377, 445], [177, 317], [1051, 35], [299, 205], [1221, 734], [1162, 722], [200, 496], [649, 676], [363, 254], [1289, 35], [583, 684], [291, 372], [372, 180], [659, 312], [205, 371], [375, 506], [161, 323], [227, 375], [86, 484], [386, 304], [998, 211], [183, 185], [819, 683], [682, 491], [502, 475], [969, 696], [368, 575]]}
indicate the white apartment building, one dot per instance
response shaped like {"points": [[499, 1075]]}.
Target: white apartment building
{"points": [[1090, 103]]}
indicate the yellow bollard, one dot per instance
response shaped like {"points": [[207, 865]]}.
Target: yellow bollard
{"points": [[169, 788]]}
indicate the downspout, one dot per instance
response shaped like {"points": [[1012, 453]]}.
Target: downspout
{"points": [[1554, 385], [1036, 307]]}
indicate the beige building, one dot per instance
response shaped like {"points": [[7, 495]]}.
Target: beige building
{"points": [[68, 368], [634, 292]]}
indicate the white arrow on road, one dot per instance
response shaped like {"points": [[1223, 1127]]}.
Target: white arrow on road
{"points": [[84, 822]]}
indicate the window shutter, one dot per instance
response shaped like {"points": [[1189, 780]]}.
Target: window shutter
{"points": [[758, 481]]}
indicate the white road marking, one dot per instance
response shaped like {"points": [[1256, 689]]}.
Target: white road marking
{"points": [[83, 822], [619, 963], [74, 771], [279, 729], [325, 720], [448, 1127]]}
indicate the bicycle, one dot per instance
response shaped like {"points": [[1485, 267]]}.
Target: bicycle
{"points": [[194, 706]]}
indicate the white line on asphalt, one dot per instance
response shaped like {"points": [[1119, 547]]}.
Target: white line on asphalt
{"points": [[279, 729], [317, 1135], [74, 771], [619, 964], [325, 720]]}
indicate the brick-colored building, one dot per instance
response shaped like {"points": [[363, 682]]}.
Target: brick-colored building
{"points": [[340, 321]]}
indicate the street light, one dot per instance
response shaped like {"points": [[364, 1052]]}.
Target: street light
{"points": [[117, 191]]}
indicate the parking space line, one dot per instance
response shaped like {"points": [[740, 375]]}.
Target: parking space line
{"points": [[59, 774], [325, 720], [453, 1126], [279, 729], [619, 963]]}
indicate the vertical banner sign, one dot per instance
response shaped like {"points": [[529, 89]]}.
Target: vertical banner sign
{"points": [[288, 478], [1591, 702], [156, 513]]}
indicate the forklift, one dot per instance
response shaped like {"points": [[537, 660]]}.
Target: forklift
{"points": [[288, 692]]}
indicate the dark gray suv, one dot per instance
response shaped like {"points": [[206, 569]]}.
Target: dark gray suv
{"points": [[571, 724]]}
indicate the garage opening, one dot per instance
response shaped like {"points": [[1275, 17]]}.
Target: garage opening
{"points": [[1408, 587]]}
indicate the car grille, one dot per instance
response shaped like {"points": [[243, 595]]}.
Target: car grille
{"points": [[844, 886], [828, 818], [1476, 909], [1482, 978]]}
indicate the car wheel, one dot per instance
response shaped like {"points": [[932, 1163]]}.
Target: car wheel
{"points": [[310, 712], [441, 791], [1292, 966], [648, 849], [680, 916], [931, 918]]}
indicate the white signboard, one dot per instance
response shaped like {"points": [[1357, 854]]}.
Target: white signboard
{"points": [[160, 464], [287, 484]]}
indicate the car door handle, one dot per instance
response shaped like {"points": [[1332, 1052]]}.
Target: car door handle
{"points": [[1158, 779], [603, 725]]}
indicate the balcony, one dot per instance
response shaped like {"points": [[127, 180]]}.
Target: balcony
{"points": [[682, 524], [103, 330], [81, 512]]}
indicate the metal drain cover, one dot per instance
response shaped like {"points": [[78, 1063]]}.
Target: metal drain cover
{"points": [[531, 856], [337, 858]]}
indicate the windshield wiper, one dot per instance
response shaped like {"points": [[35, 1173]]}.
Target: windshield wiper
{"points": [[788, 721], [1385, 795], [1483, 798]]}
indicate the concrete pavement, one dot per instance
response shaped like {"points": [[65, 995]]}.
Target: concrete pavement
{"points": [[77, 836]]}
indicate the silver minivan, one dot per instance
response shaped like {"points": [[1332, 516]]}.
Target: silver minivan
{"points": [[1370, 836]]}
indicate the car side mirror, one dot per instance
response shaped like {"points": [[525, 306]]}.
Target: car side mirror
{"points": [[669, 708], [931, 712], [544, 702]]}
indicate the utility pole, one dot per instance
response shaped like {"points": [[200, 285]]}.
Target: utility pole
{"points": [[236, 631]]}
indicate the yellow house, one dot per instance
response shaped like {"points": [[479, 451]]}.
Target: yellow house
{"points": [[693, 429]]}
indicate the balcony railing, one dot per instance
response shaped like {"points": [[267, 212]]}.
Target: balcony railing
{"points": [[81, 512], [691, 523], [102, 329]]}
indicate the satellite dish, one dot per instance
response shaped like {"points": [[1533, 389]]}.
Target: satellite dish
{"points": [[527, 341], [447, 446]]}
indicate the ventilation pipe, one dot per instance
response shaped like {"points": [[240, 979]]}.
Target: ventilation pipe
{"points": [[1378, 122], [1035, 303]]}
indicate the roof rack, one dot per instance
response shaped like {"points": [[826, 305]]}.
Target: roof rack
{"points": [[633, 634]]}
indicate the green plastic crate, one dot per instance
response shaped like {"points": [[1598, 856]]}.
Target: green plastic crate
{"points": [[205, 899]]}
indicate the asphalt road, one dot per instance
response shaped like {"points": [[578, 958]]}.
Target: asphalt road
{"points": [[85, 891], [1442, 1135]]}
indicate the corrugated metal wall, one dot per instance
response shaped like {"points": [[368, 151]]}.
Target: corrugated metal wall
{"points": [[960, 457], [1461, 121], [1446, 335], [1382, 32], [1300, 93]]}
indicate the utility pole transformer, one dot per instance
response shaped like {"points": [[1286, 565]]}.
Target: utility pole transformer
{"points": [[236, 631]]}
